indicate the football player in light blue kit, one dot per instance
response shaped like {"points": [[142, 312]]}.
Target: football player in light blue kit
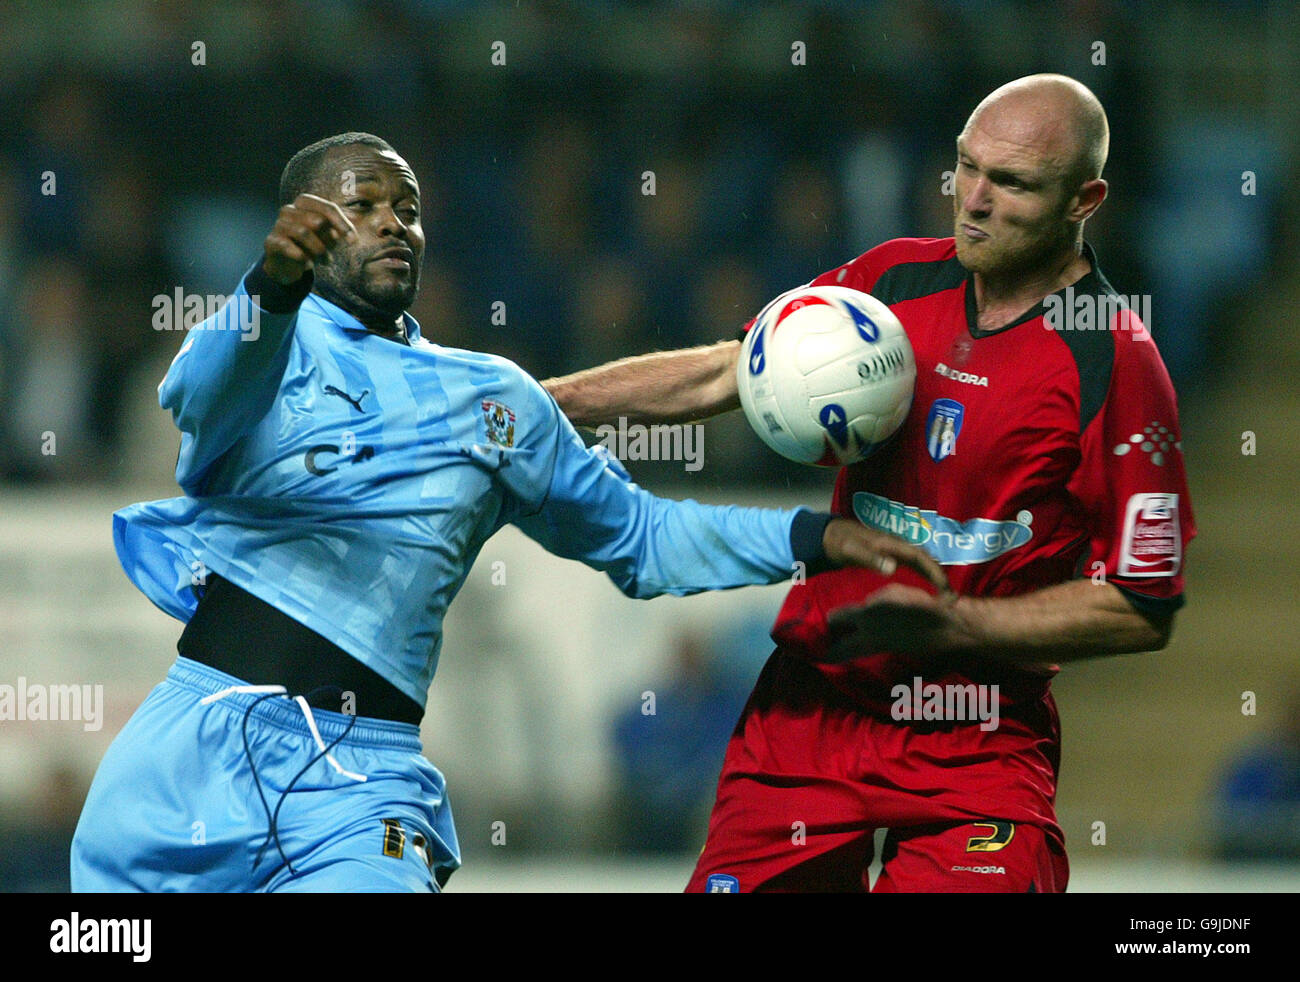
{"points": [[341, 474]]}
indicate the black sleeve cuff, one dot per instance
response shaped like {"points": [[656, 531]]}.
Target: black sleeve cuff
{"points": [[271, 296], [806, 534], [1150, 606]]}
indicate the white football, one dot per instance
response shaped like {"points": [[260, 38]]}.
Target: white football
{"points": [[826, 375]]}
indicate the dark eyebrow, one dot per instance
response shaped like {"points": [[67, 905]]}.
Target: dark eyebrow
{"points": [[1003, 176], [1000, 175], [408, 186]]}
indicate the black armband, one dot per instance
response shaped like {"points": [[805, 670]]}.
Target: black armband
{"points": [[806, 534], [272, 296]]}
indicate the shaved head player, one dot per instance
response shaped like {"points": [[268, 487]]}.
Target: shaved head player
{"points": [[1041, 465], [340, 474]]}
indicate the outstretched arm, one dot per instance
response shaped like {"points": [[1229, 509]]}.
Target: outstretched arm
{"points": [[579, 503], [662, 387], [1065, 622]]}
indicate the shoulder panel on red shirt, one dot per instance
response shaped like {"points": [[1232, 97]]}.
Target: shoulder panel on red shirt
{"points": [[1092, 346], [900, 269], [894, 271]]}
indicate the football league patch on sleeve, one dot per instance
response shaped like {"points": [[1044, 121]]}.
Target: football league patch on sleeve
{"points": [[1152, 543]]}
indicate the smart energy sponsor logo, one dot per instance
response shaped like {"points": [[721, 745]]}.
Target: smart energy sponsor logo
{"points": [[953, 543]]}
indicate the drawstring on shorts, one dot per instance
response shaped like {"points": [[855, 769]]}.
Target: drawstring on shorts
{"points": [[265, 692]]}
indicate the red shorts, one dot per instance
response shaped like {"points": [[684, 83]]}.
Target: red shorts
{"points": [[809, 777]]}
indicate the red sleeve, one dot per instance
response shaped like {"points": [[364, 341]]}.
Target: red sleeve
{"points": [[863, 272], [1131, 480]]}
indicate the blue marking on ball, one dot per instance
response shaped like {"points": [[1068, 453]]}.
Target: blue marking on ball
{"points": [[836, 421], [865, 325], [756, 359]]}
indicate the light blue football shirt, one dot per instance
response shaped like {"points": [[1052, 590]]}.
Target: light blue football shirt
{"points": [[350, 481]]}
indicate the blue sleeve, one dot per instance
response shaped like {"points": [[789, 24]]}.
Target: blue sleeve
{"points": [[228, 372], [648, 545]]}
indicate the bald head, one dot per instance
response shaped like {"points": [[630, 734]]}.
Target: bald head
{"points": [[1028, 177], [1056, 116]]}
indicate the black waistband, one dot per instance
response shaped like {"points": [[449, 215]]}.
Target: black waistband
{"points": [[236, 633]]}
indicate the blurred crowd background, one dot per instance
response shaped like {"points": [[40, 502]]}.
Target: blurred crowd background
{"points": [[535, 172], [161, 128]]}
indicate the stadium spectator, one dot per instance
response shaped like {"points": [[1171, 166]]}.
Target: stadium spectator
{"points": [[1257, 798]]}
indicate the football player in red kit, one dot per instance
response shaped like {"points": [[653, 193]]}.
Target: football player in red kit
{"points": [[1041, 464]]}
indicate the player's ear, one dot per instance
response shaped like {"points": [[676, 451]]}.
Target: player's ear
{"points": [[1087, 200]]}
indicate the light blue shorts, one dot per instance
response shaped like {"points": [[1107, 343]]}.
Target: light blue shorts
{"points": [[176, 806]]}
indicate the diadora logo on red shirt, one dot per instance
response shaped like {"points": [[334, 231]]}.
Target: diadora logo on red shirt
{"points": [[964, 377]]}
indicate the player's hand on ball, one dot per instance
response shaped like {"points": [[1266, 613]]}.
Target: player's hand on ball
{"points": [[898, 618], [850, 543], [304, 232]]}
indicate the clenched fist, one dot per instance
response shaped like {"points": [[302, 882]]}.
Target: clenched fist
{"points": [[304, 233]]}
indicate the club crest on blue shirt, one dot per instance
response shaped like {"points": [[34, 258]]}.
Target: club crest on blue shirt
{"points": [[500, 421], [942, 427]]}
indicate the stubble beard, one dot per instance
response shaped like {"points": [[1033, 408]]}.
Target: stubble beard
{"points": [[345, 285], [989, 259]]}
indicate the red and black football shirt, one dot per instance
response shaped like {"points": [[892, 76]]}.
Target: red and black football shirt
{"points": [[1044, 450]]}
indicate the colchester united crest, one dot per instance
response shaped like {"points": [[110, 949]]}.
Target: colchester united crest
{"points": [[942, 427], [500, 420]]}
